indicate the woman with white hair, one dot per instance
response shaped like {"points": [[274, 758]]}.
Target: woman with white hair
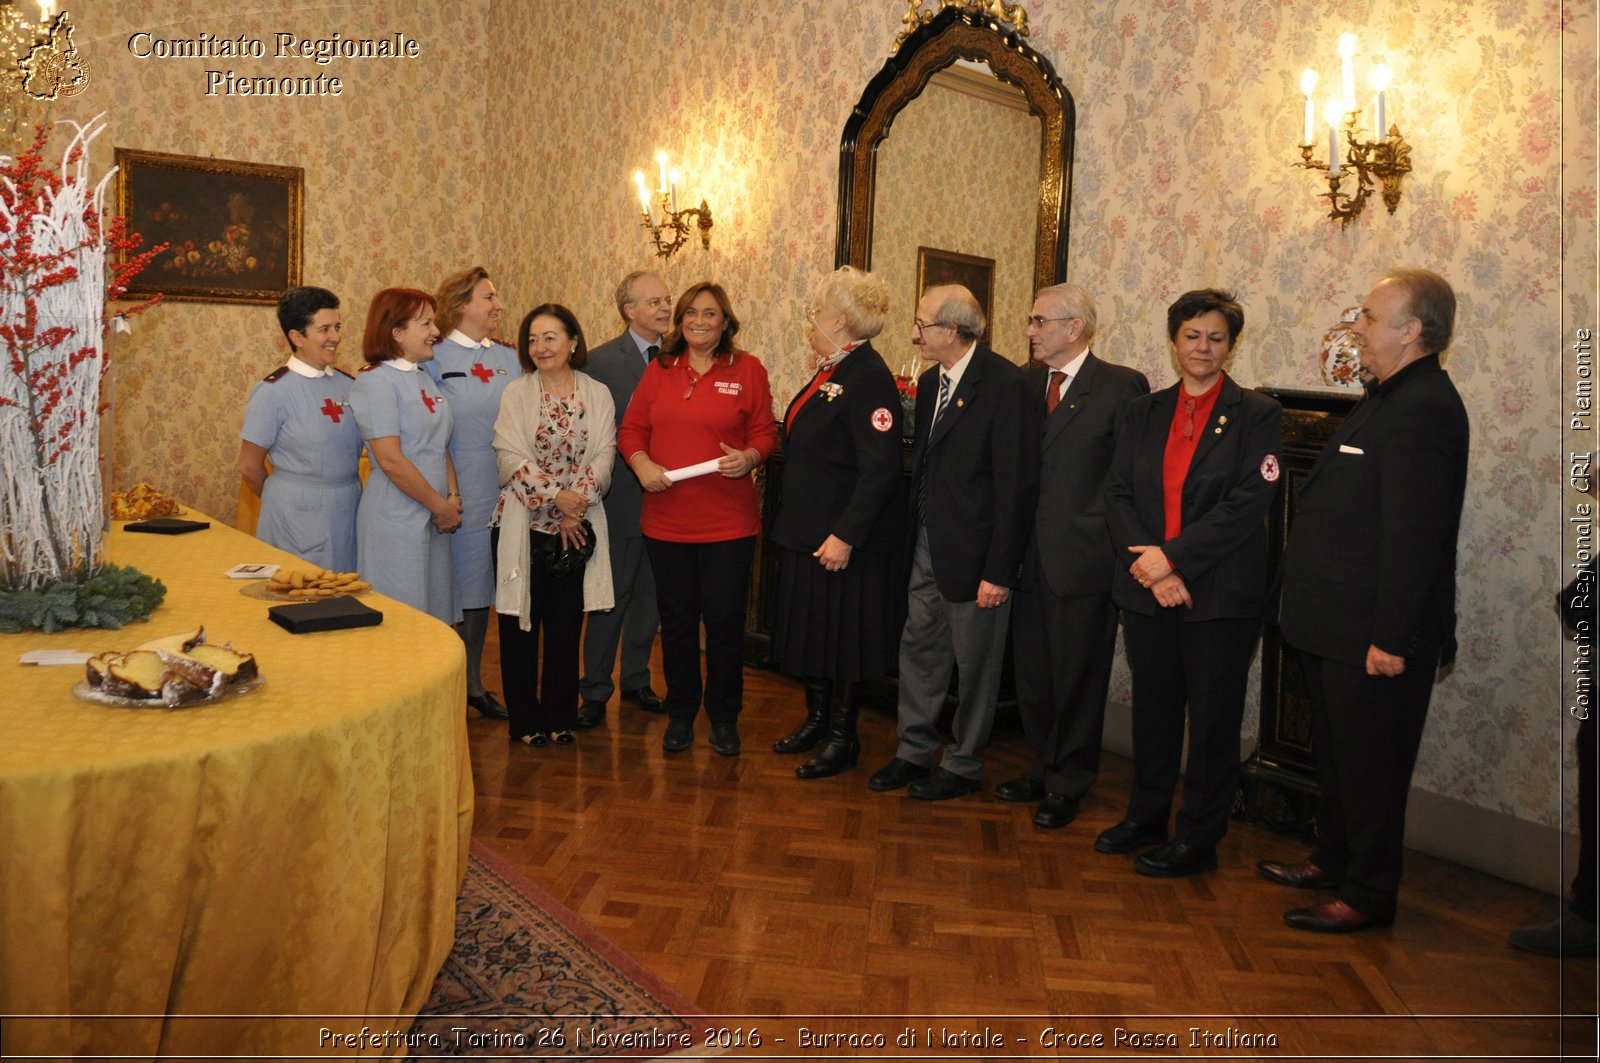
{"points": [[838, 520]]}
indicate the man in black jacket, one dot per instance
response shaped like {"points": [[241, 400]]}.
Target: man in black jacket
{"points": [[1065, 630], [1368, 597], [973, 484]]}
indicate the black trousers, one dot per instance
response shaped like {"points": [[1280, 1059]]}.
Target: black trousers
{"points": [[1062, 648], [1204, 665], [705, 583], [556, 610], [1366, 730]]}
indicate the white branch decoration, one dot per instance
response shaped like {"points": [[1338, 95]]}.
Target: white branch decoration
{"points": [[52, 336]]}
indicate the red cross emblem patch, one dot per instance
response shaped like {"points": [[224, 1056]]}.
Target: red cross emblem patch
{"points": [[882, 419], [482, 373], [1269, 468], [330, 409], [427, 399]]}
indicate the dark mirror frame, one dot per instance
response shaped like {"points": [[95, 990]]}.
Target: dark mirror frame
{"points": [[950, 35]]}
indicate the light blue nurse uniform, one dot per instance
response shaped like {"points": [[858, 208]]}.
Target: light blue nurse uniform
{"points": [[473, 377], [308, 504], [399, 551]]}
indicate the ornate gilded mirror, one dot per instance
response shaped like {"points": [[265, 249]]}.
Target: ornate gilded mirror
{"points": [[979, 170]]}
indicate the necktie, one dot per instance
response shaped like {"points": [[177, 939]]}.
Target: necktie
{"points": [[922, 484], [651, 351], [1188, 425], [1052, 397], [944, 398]]}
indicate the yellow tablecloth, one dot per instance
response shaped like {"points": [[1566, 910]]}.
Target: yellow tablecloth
{"points": [[296, 851]]}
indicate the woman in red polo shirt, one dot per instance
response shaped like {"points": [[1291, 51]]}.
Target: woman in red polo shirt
{"points": [[1195, 469], [701, 401]]}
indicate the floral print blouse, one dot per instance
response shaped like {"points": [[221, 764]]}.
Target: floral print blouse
{"points": [[559, 447]]}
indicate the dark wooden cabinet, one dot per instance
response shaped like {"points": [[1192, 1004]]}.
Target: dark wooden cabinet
{"points": [[1279, 780]]}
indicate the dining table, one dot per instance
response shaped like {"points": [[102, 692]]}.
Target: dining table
{"points": [[268, 874]]}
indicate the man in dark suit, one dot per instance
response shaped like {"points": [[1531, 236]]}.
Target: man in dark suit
{"points": [[1368, 597], [646, 309], [973, 484], [1065, 629]]}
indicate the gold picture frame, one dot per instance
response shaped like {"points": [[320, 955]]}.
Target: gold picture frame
{"points": [[233, 229], [976, 274]]}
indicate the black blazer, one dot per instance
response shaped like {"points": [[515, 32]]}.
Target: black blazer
{"points": [[1070, 546], [1221, 548], [842, 460], [618, 365], [979, 469], [1371, 559]]}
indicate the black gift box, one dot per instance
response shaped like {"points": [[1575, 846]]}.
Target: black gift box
{"points": [[330, 614], [169, 526]]}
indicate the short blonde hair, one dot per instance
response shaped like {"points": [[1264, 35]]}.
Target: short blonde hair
{"points": [[862, 297]]}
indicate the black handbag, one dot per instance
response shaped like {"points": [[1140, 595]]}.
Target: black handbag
{"points": [[558, 560]]}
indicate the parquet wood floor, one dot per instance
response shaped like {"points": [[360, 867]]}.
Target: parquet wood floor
{"points": [[783, 905]]}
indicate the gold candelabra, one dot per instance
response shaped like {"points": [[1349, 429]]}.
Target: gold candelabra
{"points": [[1381, 163], [667, 225], [1385, 159]]}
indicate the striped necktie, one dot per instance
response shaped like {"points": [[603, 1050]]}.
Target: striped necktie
{"points": [[944, 399]]}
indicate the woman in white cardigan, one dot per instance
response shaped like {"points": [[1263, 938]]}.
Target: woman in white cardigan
{"points": [[554, 443]]}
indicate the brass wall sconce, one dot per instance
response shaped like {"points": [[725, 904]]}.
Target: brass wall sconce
{"points": [[1384, 160], [667, 225]]}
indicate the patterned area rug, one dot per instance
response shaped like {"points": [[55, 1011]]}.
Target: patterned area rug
{"points": [[529, 978]]}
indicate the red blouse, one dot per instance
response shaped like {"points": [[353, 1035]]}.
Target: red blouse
{"points": [[678, 420], [1181, 444]]}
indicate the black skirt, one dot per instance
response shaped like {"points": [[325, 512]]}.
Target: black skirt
{"points": [[836, 625]]}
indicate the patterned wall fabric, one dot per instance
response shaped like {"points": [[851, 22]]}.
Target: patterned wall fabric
{"points": [[513, 140]]}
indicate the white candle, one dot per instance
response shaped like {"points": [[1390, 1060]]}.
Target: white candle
{"points": [[1333, 138], [1380, 82], [1347, 50], [661, 164], [672, 182], [1308, 85], [46, 10]]}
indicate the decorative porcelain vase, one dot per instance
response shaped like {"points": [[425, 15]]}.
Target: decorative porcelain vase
{"points": [[1341, 352]]}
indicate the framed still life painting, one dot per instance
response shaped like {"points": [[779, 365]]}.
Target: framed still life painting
{"points": [[232, 229]]}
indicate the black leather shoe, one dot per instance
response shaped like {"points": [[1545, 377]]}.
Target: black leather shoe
{"points": [[643, 698], [1333, 917], [487, 706], [1302, 876], [591, 714], [725, 738], [678, 736], [1175, 860], [1127, 836], [942, 785], [1027, 788], [1055, 811], [895, 774]]}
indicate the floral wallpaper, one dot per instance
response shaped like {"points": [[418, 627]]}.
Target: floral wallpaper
{"points": [[512, 142], [957, 173], [386, 165]]}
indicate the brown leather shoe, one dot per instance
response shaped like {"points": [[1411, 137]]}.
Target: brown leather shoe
{"points": [[1302, 876], [1333, 917]]}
